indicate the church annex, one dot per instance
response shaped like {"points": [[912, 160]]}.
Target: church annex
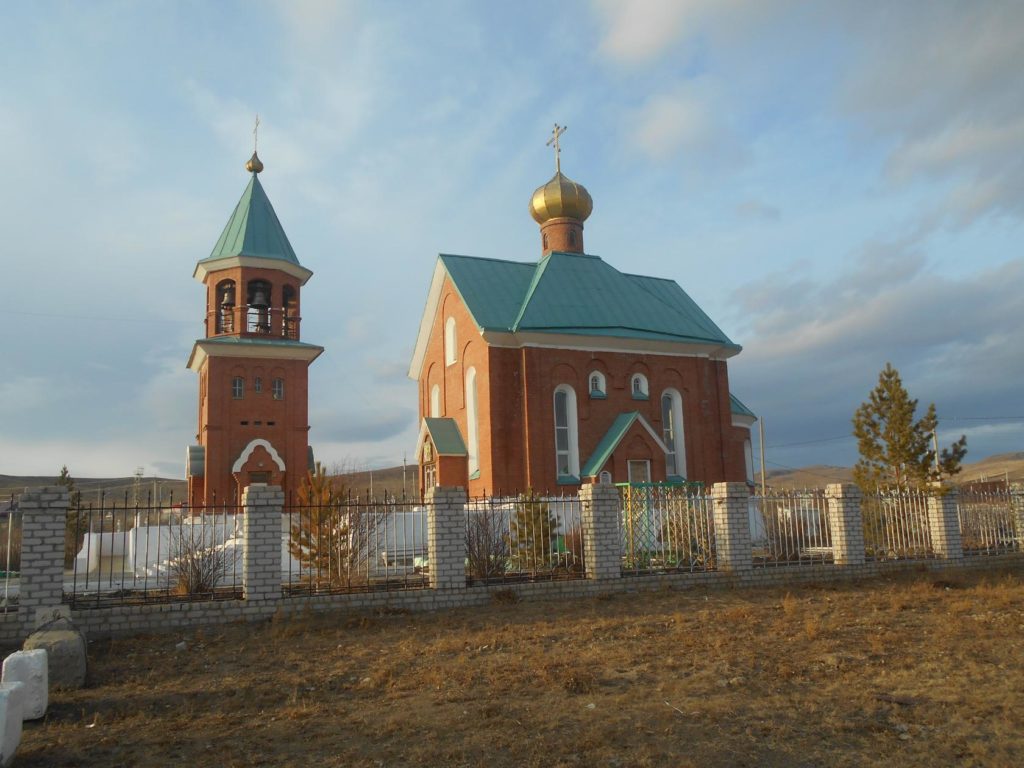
{"points": [[551, 373]]}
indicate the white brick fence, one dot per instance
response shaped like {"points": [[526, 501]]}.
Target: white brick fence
{"points": [[994, 528]]}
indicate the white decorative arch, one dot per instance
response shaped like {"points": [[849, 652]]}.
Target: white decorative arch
{"points": [[252, 446]]}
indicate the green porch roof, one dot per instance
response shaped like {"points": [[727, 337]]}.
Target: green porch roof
{"points": [[574, 293], [254, 229], [738, 408], [445, 435], [607, 445]]}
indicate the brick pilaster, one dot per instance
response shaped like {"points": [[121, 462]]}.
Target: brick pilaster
{"points": [[261, 560], [1017, 507], [446, 536], [845, 523], [41, 584], [944, 525], [732, 526], [600, 517]]}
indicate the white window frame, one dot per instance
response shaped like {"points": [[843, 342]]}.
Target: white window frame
{"points": [[277, 389], [638, 387], [629, 470], [601, 383], [237, 388], [435, 401], [674, 433], [472, 431], [571, 428], [606, 477], [748, 460], [450, 341]]}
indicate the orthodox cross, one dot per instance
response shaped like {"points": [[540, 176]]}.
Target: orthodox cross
{"points": [[255, 133], [557, 131]]}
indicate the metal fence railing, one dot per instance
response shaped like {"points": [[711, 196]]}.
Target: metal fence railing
{"points": [[119, 552], [989, 521], [354, 544], [10, 552], [666, 528], [527, 537], [896, 525], [790, 528]]}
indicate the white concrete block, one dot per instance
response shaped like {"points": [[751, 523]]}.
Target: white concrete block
{"points": [[30, 668], [11, 696]]}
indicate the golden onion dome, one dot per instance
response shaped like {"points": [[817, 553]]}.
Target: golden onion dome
{"points": [[560, 198], [255, 165]]}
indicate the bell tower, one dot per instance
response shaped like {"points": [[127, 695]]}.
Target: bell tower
{"points": [[253, 367]]}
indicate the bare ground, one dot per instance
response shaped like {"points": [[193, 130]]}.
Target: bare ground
{"points": [[911, 671]]}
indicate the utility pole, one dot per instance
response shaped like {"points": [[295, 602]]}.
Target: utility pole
{"points": [[764, 475], [404, 490]]}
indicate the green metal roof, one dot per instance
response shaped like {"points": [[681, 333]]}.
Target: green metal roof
{"points": [[606, 447], [254, 229], [578, 294], [445, 435], [738, 408], [492, 289]]}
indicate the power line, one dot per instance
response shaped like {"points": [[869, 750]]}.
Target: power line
{"points": [[96, 317]]}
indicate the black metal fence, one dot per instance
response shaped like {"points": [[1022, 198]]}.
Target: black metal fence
{"points": [[354, 544], [10, 552], [119, 551], [526, 537]]}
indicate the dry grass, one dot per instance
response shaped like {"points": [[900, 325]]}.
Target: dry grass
{"points": [[915, 671]]}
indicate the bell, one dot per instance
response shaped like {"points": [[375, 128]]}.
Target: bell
{"points": [[259, 299], [228, 299]]}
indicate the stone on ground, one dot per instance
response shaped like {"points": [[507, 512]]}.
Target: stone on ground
{"points": [[11, 697], [64, 644], [30, 668]]}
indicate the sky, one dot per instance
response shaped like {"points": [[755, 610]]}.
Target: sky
{"points": [[839, 185]]}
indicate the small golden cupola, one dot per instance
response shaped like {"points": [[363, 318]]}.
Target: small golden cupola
{"points": [[560, 207]]}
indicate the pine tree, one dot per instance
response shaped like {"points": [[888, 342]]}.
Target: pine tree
{"points": [[320, 528], [76, 522], [533, 533], [895, 450]]}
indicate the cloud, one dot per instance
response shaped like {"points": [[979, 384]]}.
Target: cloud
{"points": [[370, 424], [947, 99], [811, 356], [757, 209], [638, 31]]}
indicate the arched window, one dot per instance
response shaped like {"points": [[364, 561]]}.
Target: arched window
{"points": [[289, 313], [606, 477], [225, 306], [435, 401], [638, 386], [672, 433], [597, 384], [257, 298], [237, 387], [567, 452], [572, 237], [748, 460], [450, 352], [471, 425], [277, 389], [257, 384]]}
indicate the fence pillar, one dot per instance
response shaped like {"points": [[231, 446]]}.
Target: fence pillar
{"points": [[41, 584], [732, 526], [261, 560], [600, 517], [944, 525], [845, 523], [446, 536]]}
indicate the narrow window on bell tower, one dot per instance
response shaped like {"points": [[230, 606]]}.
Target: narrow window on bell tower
{"points": [[289, 313], [237, 387]]}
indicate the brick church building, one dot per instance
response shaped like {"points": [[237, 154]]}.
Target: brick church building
{"points": [[551, 373], [253, 369]]}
